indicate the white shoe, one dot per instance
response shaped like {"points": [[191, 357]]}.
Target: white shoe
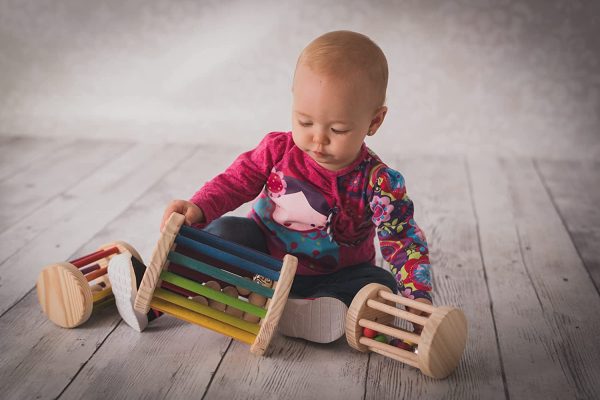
{"points": [[122, 281], [320, 320]]}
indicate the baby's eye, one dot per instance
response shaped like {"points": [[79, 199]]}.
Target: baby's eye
{"points": [[305, 124], [340, 130]]}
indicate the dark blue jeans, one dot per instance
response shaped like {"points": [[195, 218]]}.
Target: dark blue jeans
{"points": [[343, 284]]}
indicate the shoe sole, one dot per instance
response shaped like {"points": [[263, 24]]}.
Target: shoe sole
{"points": [[320, 320], [122, 281]]}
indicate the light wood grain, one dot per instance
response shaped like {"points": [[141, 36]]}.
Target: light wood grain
{"points": [[439, 188], [546, 340], [442, 342], [171, 359], [157, 263], [18, 153], [98, 199], [294, 369], [396, 312], [174, 346], [39, 359], [268, 325], [386, 350], [574, 186], [64, 295], [547, 305], [61, 354], [51, 175], [426, 308]]}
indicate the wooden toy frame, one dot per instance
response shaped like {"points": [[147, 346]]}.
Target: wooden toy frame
{"points": [[183, 274], [440, 344], [65, 289]]}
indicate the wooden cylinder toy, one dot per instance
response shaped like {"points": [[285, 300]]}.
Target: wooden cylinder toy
{"points": [[185, 259], [439, 346], [69, 291]]}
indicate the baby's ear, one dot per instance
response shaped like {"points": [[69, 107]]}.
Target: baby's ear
{"points": [[377, 120]]}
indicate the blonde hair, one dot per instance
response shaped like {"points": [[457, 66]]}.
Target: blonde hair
{"points": [[341, 53]]}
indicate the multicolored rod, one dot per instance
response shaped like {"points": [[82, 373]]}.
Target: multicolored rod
{"points": [[90, 258], [228, 258], [233, 248], [223, 275]]}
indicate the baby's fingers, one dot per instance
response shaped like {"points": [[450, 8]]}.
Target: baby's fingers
{"points": [[174, 206], [192, 214]]}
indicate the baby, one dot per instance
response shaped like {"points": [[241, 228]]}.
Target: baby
{"points": [[321, 194]]}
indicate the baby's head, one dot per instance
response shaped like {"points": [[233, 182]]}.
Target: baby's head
{"points": [[338, 97]]}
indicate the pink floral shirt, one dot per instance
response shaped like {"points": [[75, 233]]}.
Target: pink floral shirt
{"points": [[328, 219]]}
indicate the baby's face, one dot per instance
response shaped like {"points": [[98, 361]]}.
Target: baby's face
{"points": [[330, 117]]}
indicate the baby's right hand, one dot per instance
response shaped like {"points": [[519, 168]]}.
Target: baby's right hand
{"points": [[193, 214]]}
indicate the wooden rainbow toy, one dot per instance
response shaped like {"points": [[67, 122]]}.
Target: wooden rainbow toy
{"points": [[187, 270], [439, 347], [69, 291]]}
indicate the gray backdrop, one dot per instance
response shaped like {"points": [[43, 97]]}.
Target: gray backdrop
{"points": [[511, 77]]}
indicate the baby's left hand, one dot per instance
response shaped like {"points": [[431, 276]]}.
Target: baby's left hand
{"points": [[418, 328]]}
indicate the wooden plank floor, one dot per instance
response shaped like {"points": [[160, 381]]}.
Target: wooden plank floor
{"points": [[515, 243]]}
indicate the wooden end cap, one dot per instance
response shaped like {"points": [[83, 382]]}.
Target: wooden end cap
{"points": [[64, 295]]}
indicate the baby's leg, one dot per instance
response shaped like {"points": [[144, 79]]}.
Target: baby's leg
{"points": [[345, 283]]}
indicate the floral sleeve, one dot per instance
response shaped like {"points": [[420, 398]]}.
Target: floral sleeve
{"points": [[403, 244]]}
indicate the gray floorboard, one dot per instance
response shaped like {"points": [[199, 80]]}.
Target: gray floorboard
{"points": [[514, 243]]}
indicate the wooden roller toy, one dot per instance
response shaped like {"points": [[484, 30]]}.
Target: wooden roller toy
{"points": [[439, 346], [69, 291], [188, 264]]}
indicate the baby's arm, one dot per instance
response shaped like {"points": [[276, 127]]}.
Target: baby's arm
{"points": [[403, 244], [241, 182]]}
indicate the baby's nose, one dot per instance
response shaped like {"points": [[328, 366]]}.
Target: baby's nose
{"points": [[320, 137]]}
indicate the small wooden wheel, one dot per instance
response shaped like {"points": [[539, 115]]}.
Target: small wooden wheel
{"points": [[443, 341], [64, 295]]}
